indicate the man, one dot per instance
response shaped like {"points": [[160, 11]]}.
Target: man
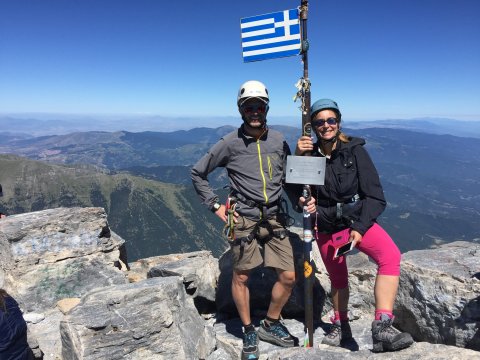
{"points": [[254, 157]]}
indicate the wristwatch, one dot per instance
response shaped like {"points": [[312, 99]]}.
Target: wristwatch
{"points": [[215, 207]]}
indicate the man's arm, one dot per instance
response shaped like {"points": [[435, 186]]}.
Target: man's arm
{"points": [[215, 157]]}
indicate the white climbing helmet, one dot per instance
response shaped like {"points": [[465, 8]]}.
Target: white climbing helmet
{"points": [[252, 89]]}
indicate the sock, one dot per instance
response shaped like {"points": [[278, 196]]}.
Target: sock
{"points": [[269, 321], [248, 328], [340, 315], [379, 312]]}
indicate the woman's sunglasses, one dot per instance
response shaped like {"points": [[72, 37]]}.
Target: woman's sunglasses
{"points": [[321, 122]]}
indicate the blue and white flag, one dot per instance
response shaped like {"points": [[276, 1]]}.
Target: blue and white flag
{"points": [[271, 35]]}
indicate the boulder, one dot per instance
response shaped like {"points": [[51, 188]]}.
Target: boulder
{"points": [[49, 255], [58, 253], [199, 272], [439, 296], [151, 319]]}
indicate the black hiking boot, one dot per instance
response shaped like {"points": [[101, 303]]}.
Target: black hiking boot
{"points": [[276, 334], [339, 333], [386, 337], [250, 346]]}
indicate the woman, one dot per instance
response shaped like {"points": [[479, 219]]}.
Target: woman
{"points": [[351, 200], [13, 330]]}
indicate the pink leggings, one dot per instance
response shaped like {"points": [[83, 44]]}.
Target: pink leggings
{"points": [[376, 243]]}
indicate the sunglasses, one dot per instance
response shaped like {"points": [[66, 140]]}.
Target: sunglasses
{"points": [[254, 108], [321, 122]]}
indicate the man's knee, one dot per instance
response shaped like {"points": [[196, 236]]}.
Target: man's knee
{"points": [[287, 278], [240, 277]]}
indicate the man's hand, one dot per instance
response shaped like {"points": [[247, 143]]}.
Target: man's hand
{"points": [[223, 215]]}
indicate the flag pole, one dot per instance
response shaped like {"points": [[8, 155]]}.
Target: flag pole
{"points": [[309, 273]]}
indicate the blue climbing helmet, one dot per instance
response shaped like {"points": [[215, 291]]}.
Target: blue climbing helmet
{"points": [[325, 104]]}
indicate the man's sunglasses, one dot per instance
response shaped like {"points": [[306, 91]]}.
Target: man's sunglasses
{"points": [[254, 108], [321, 122]]}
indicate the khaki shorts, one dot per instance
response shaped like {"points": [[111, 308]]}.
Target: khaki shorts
{"points": [[277, 253]]}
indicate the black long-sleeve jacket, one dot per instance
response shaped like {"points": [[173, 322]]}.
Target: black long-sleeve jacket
{"points": [[13, 332], [349, 171]]}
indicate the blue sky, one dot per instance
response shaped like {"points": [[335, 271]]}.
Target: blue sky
{"points": [[380, 59]]}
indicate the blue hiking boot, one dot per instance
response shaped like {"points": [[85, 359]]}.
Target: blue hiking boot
{"points": [[250, 346], [276, 334]]}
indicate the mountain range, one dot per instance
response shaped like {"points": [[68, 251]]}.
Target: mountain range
{"points": [[430, 181], [34, 125]]}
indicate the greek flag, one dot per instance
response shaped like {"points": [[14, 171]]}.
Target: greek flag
{"points": [[271, 35]]}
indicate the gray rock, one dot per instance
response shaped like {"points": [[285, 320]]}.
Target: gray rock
{"points": [[34, 346], [220, 354], [54, 254], [47, 334], [33, 318], [439, 294], [58, 253], [422, 350], [150, 319], [70, 253], [199, 272], [229, 340]]}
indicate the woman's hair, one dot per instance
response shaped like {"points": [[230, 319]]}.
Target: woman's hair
{"points": [[342, 137], [3, 295]]}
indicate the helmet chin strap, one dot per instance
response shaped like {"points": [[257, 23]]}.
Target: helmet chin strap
{"points": [[332, 141], [245, 121]]}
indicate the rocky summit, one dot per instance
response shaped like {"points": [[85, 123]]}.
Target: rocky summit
{"points": [[82, 299]]}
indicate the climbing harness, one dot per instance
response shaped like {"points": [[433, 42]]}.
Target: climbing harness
{"points": [[349, 202], [229, 229]]}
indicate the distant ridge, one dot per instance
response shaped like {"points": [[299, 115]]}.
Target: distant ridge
{"points": [[61, 124]]}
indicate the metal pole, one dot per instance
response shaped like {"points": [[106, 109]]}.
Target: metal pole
{"points": [[309, 273], [306, 127]]}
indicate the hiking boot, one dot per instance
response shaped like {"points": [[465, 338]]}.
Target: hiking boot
{"points": [[386, 337], [276, 334], [250, 346], [339, 332]]}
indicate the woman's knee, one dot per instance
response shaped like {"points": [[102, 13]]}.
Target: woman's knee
{"points": [[339, 281], [389, 262]]}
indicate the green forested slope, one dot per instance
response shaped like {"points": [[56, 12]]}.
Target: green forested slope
{"points": [[153, 217]]}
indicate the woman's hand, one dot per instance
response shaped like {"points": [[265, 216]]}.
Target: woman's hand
{"points": [[311, 207], [356, 237], [305, 143]]}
